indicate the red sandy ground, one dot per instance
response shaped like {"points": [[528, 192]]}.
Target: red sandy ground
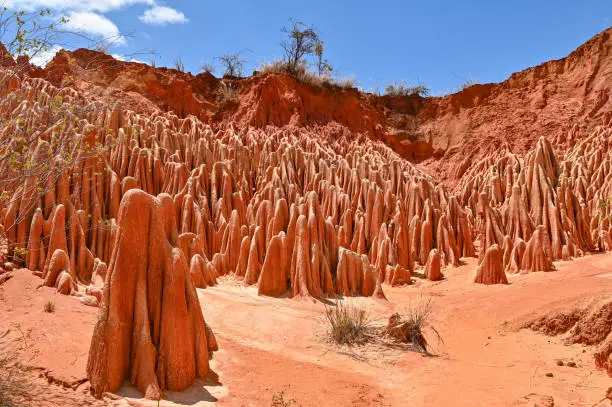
{"points": [[268, 345]]}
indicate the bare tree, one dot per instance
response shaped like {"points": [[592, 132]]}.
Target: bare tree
{"points": [[178, 64], [208, 68], [232, 64], [302, 41]]}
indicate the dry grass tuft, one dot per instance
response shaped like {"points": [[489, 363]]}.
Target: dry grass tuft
{"points": [[14, 380], [348, 324], [49, 307], [412, 327], [227, 93], [278, 400], [302, 74], [402, 89]]}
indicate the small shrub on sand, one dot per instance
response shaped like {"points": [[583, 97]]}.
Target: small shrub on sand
{"points": [[14, 380], [278, 400], [49, 307], [412, 327], [348, 324]]}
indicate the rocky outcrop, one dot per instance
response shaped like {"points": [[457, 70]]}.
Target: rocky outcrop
{"points": [[150, 329], [590, 326], [491, 270], [432, 268]]}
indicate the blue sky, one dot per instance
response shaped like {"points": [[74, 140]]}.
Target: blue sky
{"points": [[440, 44]]}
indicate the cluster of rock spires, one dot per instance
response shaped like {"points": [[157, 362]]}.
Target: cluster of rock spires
{"points": [[297, 213], [152, 206], [531, 211]]}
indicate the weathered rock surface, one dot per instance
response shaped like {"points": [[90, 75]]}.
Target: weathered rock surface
{"points": [[150, 329]]}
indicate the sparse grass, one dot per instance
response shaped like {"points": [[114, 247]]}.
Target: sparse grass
{"points": [[179, 65], [402, 89], [345, 83], [348, 324], [15, 380], [208, 68], [467, 83], [278, 400], [227, 93], [412, 327], [49, 307], [302, 74]]}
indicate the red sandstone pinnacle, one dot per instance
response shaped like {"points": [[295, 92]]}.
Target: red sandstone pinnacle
{"points": [[202, 272], [537, 255], [135, 338], [57, 235], [491, 270], [515, 261], [433, 266], [272, 281]]}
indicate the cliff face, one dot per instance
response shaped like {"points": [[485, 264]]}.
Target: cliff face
{"points": [[546, 100], [558, 99]]}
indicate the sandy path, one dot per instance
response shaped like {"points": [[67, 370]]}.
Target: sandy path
{"points": [[484, 360], [268, 345]]}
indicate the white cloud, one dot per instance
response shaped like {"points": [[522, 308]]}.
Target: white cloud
{"points": [[101, 6], [162, 15], [96, 25], [122, 58], [42, 58], [87, 16]]}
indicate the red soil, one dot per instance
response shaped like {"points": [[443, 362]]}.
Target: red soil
{"points": [[269, 345]]}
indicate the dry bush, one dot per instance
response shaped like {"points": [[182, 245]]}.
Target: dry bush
{"points": [[345, 83], [227, 93], [467, 83], [232, 65], [401, 89], [348, 324], [411, 328], [208, 68], [302, 74], [15, 382], [278, 400], [179, 65], [49, 307]]}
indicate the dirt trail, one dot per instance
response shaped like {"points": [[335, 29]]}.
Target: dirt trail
{"points": [[268, 345], [484, 360]]}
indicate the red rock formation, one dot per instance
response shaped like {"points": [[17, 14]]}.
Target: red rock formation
{"points": [[491, 270], [156, 348], [272, 280], [433, 266], [537, 255]]}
